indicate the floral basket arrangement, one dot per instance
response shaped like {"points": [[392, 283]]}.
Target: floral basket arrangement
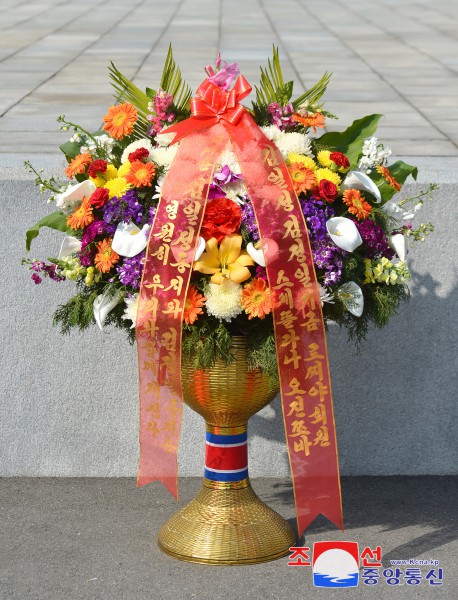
{"points": [[217, 234]]}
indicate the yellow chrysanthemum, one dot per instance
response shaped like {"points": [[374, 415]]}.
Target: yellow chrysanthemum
{"points": [[329, 175], [101, 179], [308, 162], [117, 187], [323, 157], [124, 169]]}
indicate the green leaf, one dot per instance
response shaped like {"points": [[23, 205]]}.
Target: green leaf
{"points": [[56, 220], [350, 142], [312, 95], [400, 171], [150, 92], [173, 83], [272, 86], [70, 149], [126, 91]]}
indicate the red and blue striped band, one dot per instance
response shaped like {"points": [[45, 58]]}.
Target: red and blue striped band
{"points": [[226, 457]]}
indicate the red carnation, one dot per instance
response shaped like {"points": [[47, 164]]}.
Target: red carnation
{"points": [[340, 159], [139, 154], [96, 167], [326, 190], [222, 217], [99, 197]]}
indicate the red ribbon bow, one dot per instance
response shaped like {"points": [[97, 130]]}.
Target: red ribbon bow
{"points": [[211, 106]]}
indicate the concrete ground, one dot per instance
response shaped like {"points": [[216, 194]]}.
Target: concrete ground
{"points": [[397, 58], [95, 539]]}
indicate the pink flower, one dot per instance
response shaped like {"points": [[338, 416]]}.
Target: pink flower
{"points": [[225, 76]]}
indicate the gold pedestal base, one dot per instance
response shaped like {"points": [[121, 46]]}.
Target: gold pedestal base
{"points": [[226, 524]]}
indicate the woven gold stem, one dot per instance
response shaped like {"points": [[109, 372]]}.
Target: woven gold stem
{"points": [[226, 524]]}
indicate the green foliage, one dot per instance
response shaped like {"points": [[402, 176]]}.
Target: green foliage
{"points": [[350, 142], [311, 96], [78, 312], [56, 220], [206, 342], [173, 83], [272, 86], [126, 91], [263, 355]]}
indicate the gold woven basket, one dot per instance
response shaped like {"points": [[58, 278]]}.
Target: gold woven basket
{"points": [[226, 524]]}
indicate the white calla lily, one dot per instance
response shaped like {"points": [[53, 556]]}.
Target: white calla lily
{"points": [[344, 233], [129, 240], [69, 246], [357, 180], [398, 243], [352, 298], [269, 252], [200, 248], [73, 196], [103, 305]]}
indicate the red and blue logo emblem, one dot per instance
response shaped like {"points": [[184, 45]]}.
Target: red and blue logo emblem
{"points": [[335, 564]]}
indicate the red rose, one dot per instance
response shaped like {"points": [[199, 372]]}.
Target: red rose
{"points": [[326, 190], [139, 154], [96, 167], [340, 159], [222, 217], [99, 197]]}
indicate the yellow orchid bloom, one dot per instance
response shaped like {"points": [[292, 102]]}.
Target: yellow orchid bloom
{"points": [[228, 261]]}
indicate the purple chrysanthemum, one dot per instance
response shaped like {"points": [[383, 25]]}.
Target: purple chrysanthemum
{"points": [[281, 116], [131, 269]]}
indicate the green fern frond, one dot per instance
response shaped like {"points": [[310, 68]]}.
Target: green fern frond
{"points": [[272, 85], [312, 95], [126, 91], [173, 83]]}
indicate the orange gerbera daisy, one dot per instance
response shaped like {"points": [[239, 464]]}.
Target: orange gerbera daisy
{"points": [[193, 305], [385, 173], [356, 204], [78, 165], [82, 216], [140, 173], [303, 178], [106, 257], [257, 299], [309, 120], [120, 120]]}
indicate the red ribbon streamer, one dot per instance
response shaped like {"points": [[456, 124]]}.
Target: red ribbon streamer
{"points": [[218, 119]]}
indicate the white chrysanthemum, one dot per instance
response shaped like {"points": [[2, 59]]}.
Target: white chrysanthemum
{"points": [[164, 156], [235, 191], [272, 132], [130, 312], [224, 301], [135, 146], [294, 142], [158, 187], [227, 157], [165, 139]]}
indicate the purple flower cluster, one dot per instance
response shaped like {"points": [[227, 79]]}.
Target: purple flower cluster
{"points": [[249, 220], [281, 116], [91, 232], [127, 208], [161, 104], [131, 269], [326, 255], [375, 242], [219, 179], [151, 214], [39, 266]]}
